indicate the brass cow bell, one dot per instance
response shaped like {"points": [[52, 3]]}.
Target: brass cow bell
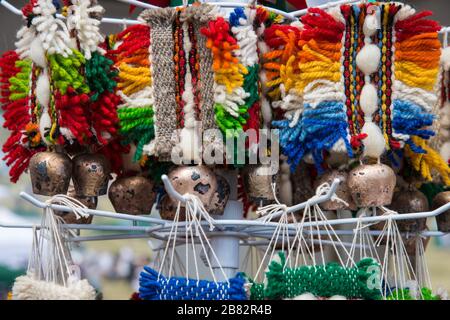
{"points": [[132, 195], [91, 174], [50, 173], [372, 185]]}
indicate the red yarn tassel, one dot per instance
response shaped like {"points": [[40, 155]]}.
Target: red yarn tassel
{"points": [[415, 25], [272, 38], [253, 122], [113, 151], [72, 110], [319, 25], [133, 38], [219, 32], [8, 69], [104, 117], [17, 156]]}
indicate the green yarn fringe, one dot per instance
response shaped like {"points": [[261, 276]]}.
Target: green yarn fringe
{"points": [[228, 124], [19, 85], [251, 85], [405, 294], [362, 281], [66, 73], [99, 75], [137, 125]]}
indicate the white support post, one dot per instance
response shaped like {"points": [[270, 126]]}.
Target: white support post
{"points": [[226, 247]]}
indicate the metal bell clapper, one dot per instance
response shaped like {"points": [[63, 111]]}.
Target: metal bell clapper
{"points": [[91, 174], [132, 195], [50, 173]]}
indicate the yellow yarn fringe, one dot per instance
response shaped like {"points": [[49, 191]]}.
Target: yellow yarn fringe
{"points": [[425, 162], [133, 79]]}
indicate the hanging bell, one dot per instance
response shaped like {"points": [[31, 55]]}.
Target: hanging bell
{"points": [[70, 217], [168, 209], [197, 180], [50, 173], [342, 190], [410, 245], [302, 183], [91, 174], [372, 185], [220, 197], [132, 195], [442, 220], [258, 182], [410, 201]]}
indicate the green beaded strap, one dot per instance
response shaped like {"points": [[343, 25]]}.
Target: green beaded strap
{"points": [[361, 282]]}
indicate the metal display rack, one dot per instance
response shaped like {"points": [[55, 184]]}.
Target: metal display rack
{"points": [[230, 230]]}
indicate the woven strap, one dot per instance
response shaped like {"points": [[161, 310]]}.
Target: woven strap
{"points": [[154, 286], [162, 51], [362, 281], [200, 16]]}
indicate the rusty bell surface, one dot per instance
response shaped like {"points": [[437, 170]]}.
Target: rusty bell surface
{"points": [[372, 185], [50, 173], [132, 195], [91, 174], [197, 180], [410, 201]]}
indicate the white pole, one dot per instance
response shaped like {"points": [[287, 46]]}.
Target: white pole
{"points": [[226, 247]]}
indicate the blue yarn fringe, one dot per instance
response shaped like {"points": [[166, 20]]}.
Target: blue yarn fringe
{"points": [[317, 130], [236, 15], [179, 288], [409, 118]]}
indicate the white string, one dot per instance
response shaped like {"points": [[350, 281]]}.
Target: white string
{"points": [[194, 212], [269, 210], [401, 264], [57, 268]]}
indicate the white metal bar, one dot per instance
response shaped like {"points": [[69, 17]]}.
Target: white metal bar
{"points": [[100, 213], [164, 224], [10, 7]]}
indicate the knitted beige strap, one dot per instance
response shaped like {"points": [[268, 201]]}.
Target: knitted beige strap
{"points": [[162, 51], [200, 16]]}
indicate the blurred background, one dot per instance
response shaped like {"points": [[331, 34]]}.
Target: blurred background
{"points": [[113, 266]]}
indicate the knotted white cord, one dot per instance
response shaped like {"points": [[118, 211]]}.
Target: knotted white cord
{"points": [[268, 211], [362, 235], [401, 264], [194, 212]]}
